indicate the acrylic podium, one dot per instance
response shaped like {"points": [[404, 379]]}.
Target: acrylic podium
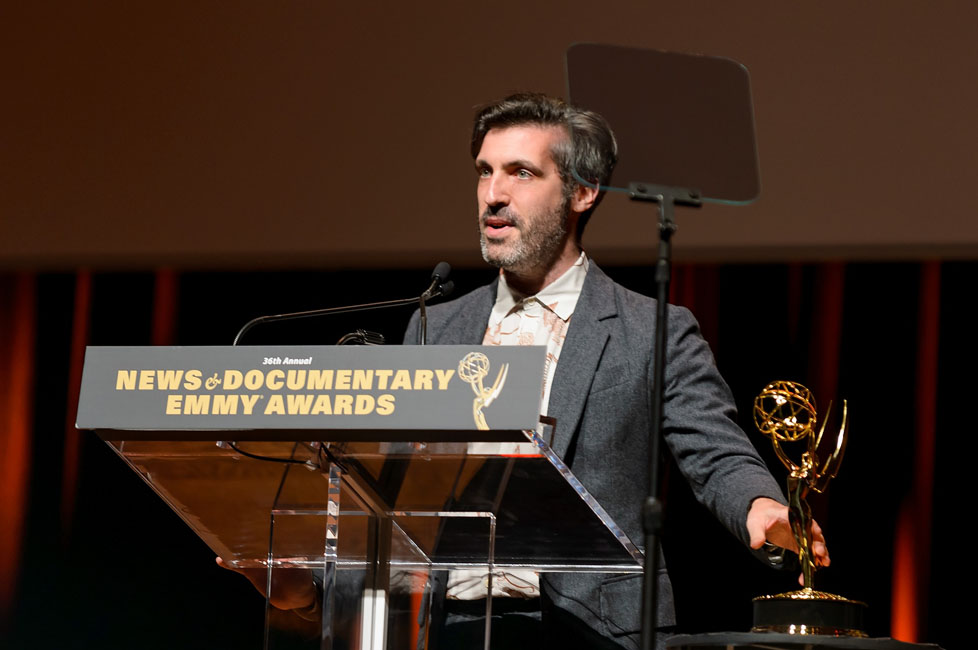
{"points": [[372, 468]]}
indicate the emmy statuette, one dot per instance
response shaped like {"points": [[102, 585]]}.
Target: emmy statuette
{"points": [[785, 413]]}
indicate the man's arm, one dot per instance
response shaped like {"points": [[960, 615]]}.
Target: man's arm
{"points": [[724, 465], [723, 468]]}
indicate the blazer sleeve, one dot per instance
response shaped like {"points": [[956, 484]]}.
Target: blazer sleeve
{"points": [[712, 451]]}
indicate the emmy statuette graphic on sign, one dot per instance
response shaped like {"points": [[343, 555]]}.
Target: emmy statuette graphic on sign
{"points": [[472, 369], [785, 412]]}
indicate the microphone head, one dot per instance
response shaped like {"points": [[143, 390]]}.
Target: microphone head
{"points": [[447, 288], [441, 272]]}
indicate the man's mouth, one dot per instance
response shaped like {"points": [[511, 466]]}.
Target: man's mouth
{"points": [[496, 226]]}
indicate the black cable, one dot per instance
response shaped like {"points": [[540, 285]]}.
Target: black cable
{"points": [[288, 461]]}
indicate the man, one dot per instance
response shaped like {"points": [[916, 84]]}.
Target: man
{"points": [[531, 214]]}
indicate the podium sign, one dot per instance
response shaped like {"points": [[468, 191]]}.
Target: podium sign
{"points": [[264, 392]]}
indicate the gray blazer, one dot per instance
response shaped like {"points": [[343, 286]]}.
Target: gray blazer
{"points": [[601, 400]]}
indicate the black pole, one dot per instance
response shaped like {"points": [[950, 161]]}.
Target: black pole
{"points": [[652, 509]]}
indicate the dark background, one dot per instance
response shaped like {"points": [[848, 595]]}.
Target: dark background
{"points": [[169, 170], [122, 571]]}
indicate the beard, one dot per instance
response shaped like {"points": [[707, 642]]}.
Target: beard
{"points": [[537, 246]]}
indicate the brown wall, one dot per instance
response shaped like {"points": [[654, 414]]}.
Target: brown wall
{"points": [[335, 134]]}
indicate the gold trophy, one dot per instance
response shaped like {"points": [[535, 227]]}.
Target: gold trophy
{"points": [[785, 413]]}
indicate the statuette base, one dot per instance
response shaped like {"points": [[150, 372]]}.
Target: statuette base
{"points": [[809, 612]]}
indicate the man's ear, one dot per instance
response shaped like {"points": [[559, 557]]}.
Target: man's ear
{"points": [[583, 198]]}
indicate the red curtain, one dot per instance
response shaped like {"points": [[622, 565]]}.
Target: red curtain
{"points": [[911, 553], [696, 286], [17, 327]]}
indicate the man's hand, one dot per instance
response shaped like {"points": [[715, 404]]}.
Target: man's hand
{"points": [[767, 521], [291, 588]]}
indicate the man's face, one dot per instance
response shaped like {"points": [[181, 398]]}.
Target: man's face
{"points": [[522, 207]]}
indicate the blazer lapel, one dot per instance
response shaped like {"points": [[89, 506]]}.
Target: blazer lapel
{"points": [[470, 322], [587, 336]]}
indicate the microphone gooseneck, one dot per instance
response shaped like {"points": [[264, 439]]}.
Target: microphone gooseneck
{"points": [[438, 287]]}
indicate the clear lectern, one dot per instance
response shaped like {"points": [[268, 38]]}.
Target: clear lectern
{"points": [[371, 470]]}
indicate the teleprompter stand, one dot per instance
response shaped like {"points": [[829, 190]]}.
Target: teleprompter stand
{"points": [[685, 130], [363, 470]]}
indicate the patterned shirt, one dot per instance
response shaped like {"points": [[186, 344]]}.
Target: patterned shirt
{"points": [[541, 319]]}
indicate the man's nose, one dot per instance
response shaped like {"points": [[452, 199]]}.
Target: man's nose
{"points": [[497, 190]]}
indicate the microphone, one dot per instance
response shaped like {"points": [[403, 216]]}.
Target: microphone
{"points": [[439, 287], [439, 280], [442, 271]]}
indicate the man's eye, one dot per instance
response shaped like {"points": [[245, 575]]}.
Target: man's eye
{"points": [[523, 173], [484, 173]]}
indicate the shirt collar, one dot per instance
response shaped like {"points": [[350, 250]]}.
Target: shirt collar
{"points": [[560, 296]]}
